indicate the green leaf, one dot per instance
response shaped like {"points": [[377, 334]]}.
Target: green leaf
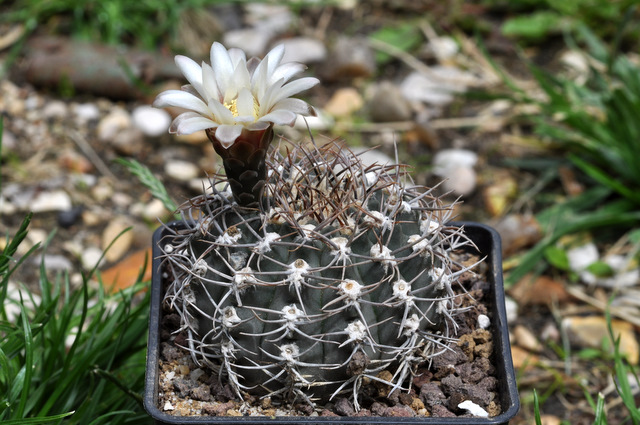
{"points": [[600, 269], [405, 37], [557, 257], [534, 26]]}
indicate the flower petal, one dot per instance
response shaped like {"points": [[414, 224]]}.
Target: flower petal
{"points": [[192, 71], [210, 83], [294, 87], [286, 71], [294, 105], [222, 114], [245, 102], [237, 56], [181, 99], [227, 134], [190, 122], [280, 117], [222, 66]]}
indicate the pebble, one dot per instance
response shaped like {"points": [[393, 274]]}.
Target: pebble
{"points": [[54, 109], [436, 88], [128, 141], [56, 200], [113, 123], [582, 256], [344, 102], [253, 41], [443, 48], [590, 331], [115, 243], [85, 112], [304, 50], [323, 121], [372, 156], [56, 262], [183, 171], [6, 207], [526, 339], [517, 231], [456, 166], [272, 17], [483, 321], [511, 307], [151, 121], [473, 409], [350, 58], [90, 257], [67, 218], [388, 104]]}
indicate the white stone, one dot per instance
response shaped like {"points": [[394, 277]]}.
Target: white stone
{"points": [[55, 109], [272, 17], [116, 121], [86, 112], [453, 158], [6, 207], [116, 241], [303, 50], [253, 41], [373, 156], [511, 306], [444, 48], [437, 87], [322, 121], [473, 408], [57, 262], [152, 121], [183, 171], [168, 406], [483, 321], [456, 166], [56, 200], [582, 256], [90, 257]]}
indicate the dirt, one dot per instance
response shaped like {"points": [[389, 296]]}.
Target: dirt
{"points": [[466, 371]]}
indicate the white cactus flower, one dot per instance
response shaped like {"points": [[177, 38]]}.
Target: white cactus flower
{"points": [[234, 93]]}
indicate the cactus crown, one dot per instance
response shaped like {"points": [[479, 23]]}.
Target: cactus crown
{"points": [[341, 272]]}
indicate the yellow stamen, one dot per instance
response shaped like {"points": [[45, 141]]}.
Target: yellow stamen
{"points": [[232, 106]]}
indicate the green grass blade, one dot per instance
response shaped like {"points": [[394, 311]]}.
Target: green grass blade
{"points": [[38, 421], [28, 360], [150, 181]]}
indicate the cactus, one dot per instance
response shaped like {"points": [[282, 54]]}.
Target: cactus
{"points": [[302, 275], [341, 274]]}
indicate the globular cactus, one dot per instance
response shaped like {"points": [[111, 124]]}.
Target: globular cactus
{"points": [[311, 273], [341, 273]]}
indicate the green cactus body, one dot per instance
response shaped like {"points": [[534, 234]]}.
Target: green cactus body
{"points": [[342, 272]]}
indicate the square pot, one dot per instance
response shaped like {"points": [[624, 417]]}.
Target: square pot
{"points": [[488, 243]]}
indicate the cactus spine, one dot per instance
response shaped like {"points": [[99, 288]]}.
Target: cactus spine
{"points": [[339, 273]]}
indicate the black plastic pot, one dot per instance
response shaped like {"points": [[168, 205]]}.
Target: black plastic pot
{"points": [[488, 242]]}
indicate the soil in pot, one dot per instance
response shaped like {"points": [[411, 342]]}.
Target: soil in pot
{"points": [[465, 372]]}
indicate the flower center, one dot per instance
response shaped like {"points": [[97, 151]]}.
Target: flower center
{"points": [[232, 106]]}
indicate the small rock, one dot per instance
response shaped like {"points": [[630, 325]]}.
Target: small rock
{"points": [[90, 257], [56, 262], [526, 339], [151, 211], [388, 104], [473, 408], [438, 87], [483, 321], [456, 166], [322, 121], [253, 41], [151, 121], [85, 112], [582, 256], [590, 331], [350, 58], [112, 124], [517, 231], [344, 407], [68, 218], [128, 141], [115, 243], [57, 200], [344, 102], [303, 50], [542, 290], [181, 170], [439, 411], [271, 17], [168, 406], [443, 48], [511, 307], [55, 109]]}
